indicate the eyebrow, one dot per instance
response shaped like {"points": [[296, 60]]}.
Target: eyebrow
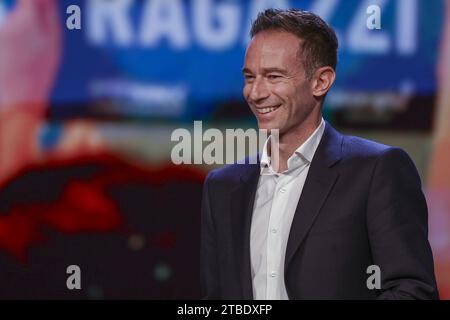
{"points": [[267, 70]]}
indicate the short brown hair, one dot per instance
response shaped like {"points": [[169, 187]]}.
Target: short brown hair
{"points": [[320, 44]]}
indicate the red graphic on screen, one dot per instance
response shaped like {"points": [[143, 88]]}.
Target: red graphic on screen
{"points": [[83, 205]]}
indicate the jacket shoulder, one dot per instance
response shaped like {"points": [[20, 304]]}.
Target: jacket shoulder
{"points": [[359, 149], [231, 173], [356, 147]]}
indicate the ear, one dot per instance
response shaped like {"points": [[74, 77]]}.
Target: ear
{"points": [[322, 81]]}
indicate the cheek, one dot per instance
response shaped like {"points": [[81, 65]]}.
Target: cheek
{"points": [[246, 91], [301, 95], [284, 93]]}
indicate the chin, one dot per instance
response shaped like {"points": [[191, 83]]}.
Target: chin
{"points": [[264, 126], [268, 126]]}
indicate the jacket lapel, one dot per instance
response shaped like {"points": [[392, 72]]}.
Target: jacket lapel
{"points": [[242, 199], [320, 180]]}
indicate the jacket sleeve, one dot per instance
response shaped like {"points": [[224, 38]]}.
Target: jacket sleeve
{"points": [[397, 223], [209, 273]]}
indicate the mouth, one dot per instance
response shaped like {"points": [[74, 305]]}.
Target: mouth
{"points": [[267, 110]]}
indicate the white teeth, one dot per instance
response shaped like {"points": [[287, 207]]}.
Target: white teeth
{"points": [[266, 110]]}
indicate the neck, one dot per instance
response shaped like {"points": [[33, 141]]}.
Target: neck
{"points": [[292, 139]]}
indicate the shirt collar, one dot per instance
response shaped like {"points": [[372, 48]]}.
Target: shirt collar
{"points": [[303, 154]]}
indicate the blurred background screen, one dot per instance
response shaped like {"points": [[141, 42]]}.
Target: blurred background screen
{"points": [[86, 117], [182, 61]]}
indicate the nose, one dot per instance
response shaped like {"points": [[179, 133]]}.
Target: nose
{"points": [[258, 90]]}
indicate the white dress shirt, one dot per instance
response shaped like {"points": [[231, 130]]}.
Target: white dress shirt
{"points": [[276, 200]]}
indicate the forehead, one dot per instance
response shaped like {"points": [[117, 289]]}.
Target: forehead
{"points": [[269, 49]]}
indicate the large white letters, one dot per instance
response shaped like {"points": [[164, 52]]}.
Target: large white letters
{"points": [[227, 16], [113, 14], [164, 19]]}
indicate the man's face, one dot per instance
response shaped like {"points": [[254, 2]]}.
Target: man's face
{"points": [[276, 88]]}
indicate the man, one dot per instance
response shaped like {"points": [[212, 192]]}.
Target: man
{"points": [[309, 224]]}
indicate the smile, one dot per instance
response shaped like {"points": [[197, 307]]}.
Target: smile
{"points": [[266, 110]]}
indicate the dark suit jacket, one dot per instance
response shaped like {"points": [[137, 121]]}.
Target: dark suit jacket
{"points": [[361, 205]]}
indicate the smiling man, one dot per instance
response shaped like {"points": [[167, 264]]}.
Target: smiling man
{"points": [[311, 222]]}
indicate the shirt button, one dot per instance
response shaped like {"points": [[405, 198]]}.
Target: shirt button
{"points": [[273, 274], [282, 190], [274, 230]]}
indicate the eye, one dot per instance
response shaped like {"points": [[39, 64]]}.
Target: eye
{"points": [[273, 76], [248, 77]]}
